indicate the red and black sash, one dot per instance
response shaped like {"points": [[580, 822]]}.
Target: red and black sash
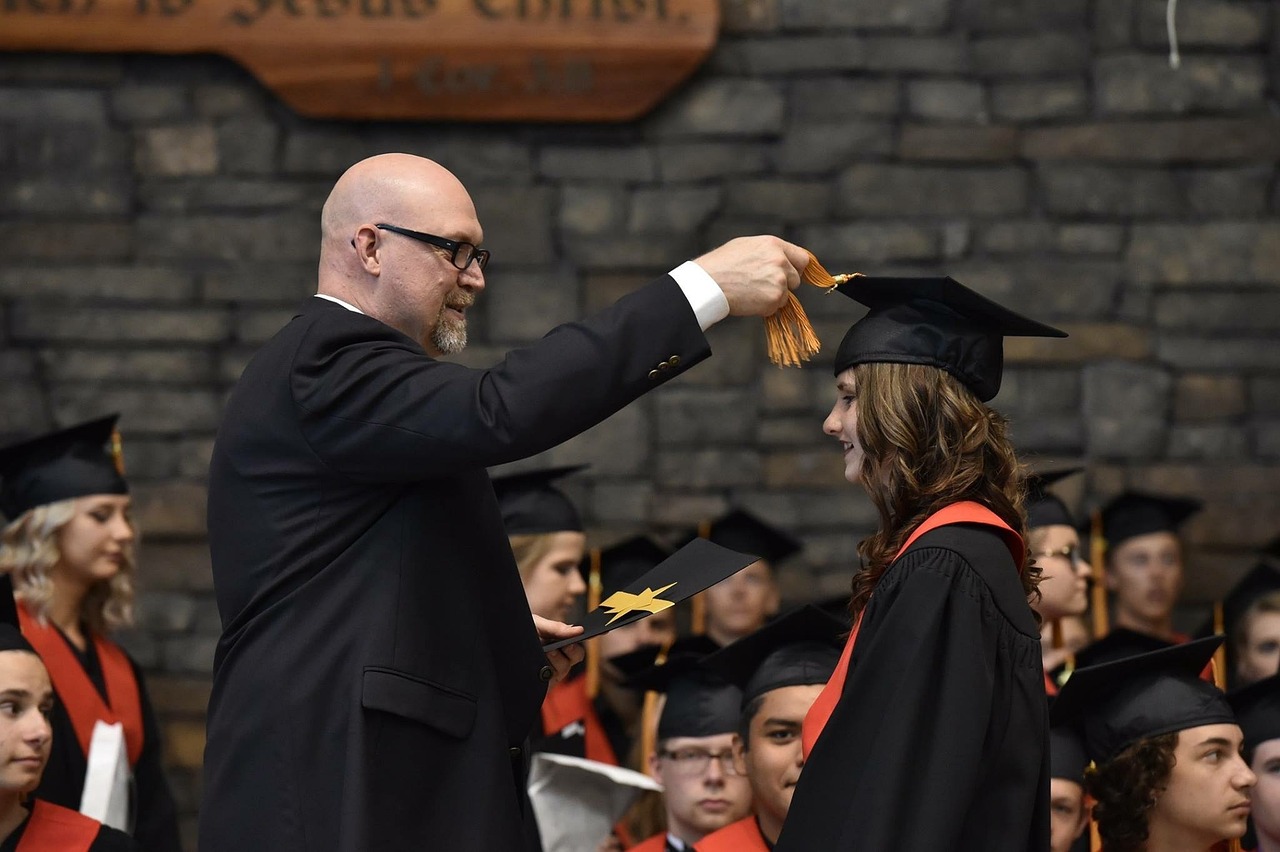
{"points": [[76, 691], [57, 829]]}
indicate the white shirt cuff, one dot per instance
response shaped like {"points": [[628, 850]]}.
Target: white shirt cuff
{"points": [[704, 294]]}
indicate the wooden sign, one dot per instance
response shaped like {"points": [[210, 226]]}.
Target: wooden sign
{"points": [[475, 60]]}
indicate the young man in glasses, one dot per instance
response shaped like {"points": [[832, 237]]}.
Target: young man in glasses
{"points": [[358, 551]]}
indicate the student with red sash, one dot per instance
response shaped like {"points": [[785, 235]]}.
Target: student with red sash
{"points": [[69, 549], [26, 702], [932, 733]]}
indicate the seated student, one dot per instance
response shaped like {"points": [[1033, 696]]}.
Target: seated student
{"points": [[1054, 543], [1145, 561], [780, 669], [1068, 814], [26, 737], [1257, 709], [694, 757], [1251, 622], [743, 603], [1168, 775], [602, 726]]}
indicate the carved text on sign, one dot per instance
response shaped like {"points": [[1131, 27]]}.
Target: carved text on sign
{"points": [[486, 60]]}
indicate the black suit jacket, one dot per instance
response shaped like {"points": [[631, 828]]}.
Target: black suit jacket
{"points": [[378, 671]]}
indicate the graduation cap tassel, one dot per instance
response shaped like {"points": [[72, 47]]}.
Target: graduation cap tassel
{"points": [[789, 336], [649, 716], [1220, 655], [594, 591], [1058, 639], [1097, 553]]}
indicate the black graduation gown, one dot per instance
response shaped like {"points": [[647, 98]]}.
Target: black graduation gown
{"points": [[156, 828], [940, 738], [378, 672], [108, 840]]}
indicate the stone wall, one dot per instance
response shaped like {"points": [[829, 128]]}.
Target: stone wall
{"points": [[160, 221]]}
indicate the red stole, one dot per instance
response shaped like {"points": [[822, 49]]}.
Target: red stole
{"points": [[566, 703], [57, 829], [741, 836], [78, 694], [967, 512]]}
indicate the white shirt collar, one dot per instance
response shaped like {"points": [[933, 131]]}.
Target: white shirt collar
{"points": [[336, 300]]}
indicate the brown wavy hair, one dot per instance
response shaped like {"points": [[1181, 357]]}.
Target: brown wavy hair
{"points": [[929, 442], [1126, 788]]}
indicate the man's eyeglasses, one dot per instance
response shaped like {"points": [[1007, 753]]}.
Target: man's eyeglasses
{"points": [[460, 254], [692, 762], [1070, 552]]}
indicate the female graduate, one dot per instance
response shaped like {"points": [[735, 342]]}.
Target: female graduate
{"points": [[1064, 573], [26, 703], [932, 733], [69, 550]]}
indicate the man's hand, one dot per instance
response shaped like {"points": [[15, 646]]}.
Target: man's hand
{"points": [[755, 273], [565, 658]]}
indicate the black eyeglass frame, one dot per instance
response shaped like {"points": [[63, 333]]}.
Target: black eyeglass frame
{"points": [[454, 247]]}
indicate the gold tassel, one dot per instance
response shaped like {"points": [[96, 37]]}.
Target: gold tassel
{"points": [[1097, 553], [649, 717], [789, 336], [594, 592], [1056, 631], [1095, 838], [117, 450], [1220, 655]]}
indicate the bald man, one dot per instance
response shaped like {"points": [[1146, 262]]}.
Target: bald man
{"points": [[379, 671]]}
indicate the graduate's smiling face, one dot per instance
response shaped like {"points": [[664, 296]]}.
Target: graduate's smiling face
{"points": [[26, 701], [1266, 795], [1067, 814], [774, 755], [1145, 572], [842, 424], [553, 583], [1207, 797], [702, 790], [97, 543]]}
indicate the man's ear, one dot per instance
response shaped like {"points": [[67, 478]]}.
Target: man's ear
{"points": [[366, 243]]}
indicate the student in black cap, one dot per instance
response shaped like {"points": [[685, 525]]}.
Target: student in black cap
{"points": [[780, 670], [945, 631], [743, 603], [26, 703], [69, 547], [1144, 559], [1168, 776], [546, 537], [1064, 572], [1257, 709], [703, 789], [1068, 814], [1251, 623]]}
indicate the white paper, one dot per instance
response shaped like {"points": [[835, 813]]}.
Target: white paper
{"points": [[578, 801], [106, 780]]}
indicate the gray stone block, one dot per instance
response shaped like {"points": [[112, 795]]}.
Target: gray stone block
{"points": [[256, 325], [1125, 410], [946, 100], [737, 347], [24, 411], [61, 69], [958, 143], [1267, 439], [633, 252], [794, 431], [853, 245], [44, 106], [618, 502], [1208, 442], [803, 509], [1206, 23], [1264, 395], [157, 409], [286, 284], [592, 209], [175, 564], [188, 654], [1202, 352], [696, 161], [193, 458], [920, 55], [177, 151], [219, 100], [1048, 288], [1020, 15], [869, 189], [617, 447], [151, 459], [86, 196], [97, 241], [764, 57], [524, 305], [724, 107], [1207, 140], [1209, 396], [142, 646], [132, 283], [165, 612], [165, 365], [1235, 192], [714, 468], [1134, 84], [294, 237], [149, 103], [66, 149], [247, 145], [820, 148], [666, 209], [1112, 24], [1061, 434], [1038, 54], [864, 14], [1227, 312], [1034, 391], [1098, 191], [830, 99], [226, 195], [597, 163], [749, 16], [1038, 100], [789, 200], [702, 416], [44, 321], [1214, 252]]}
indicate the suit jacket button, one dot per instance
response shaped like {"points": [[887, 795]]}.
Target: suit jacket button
{"points": [[546, 673], [515, 751], [674, 360], [653, 374], [664, 366]]}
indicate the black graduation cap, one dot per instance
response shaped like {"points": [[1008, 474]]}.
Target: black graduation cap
{"points": [[11, 638], [1044, 508], [934, 321], [1121, 643], [633, 665], [742, 531], [1066, 755], [1257, 709], [531, 503], [1118, 703], [700, 703], [797, 649], [1261, 580], [60, 465], [694, 567], [626, 561], [1135, 513]]}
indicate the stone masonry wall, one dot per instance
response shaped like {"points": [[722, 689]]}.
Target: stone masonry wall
{"points": [[160, 221]]}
